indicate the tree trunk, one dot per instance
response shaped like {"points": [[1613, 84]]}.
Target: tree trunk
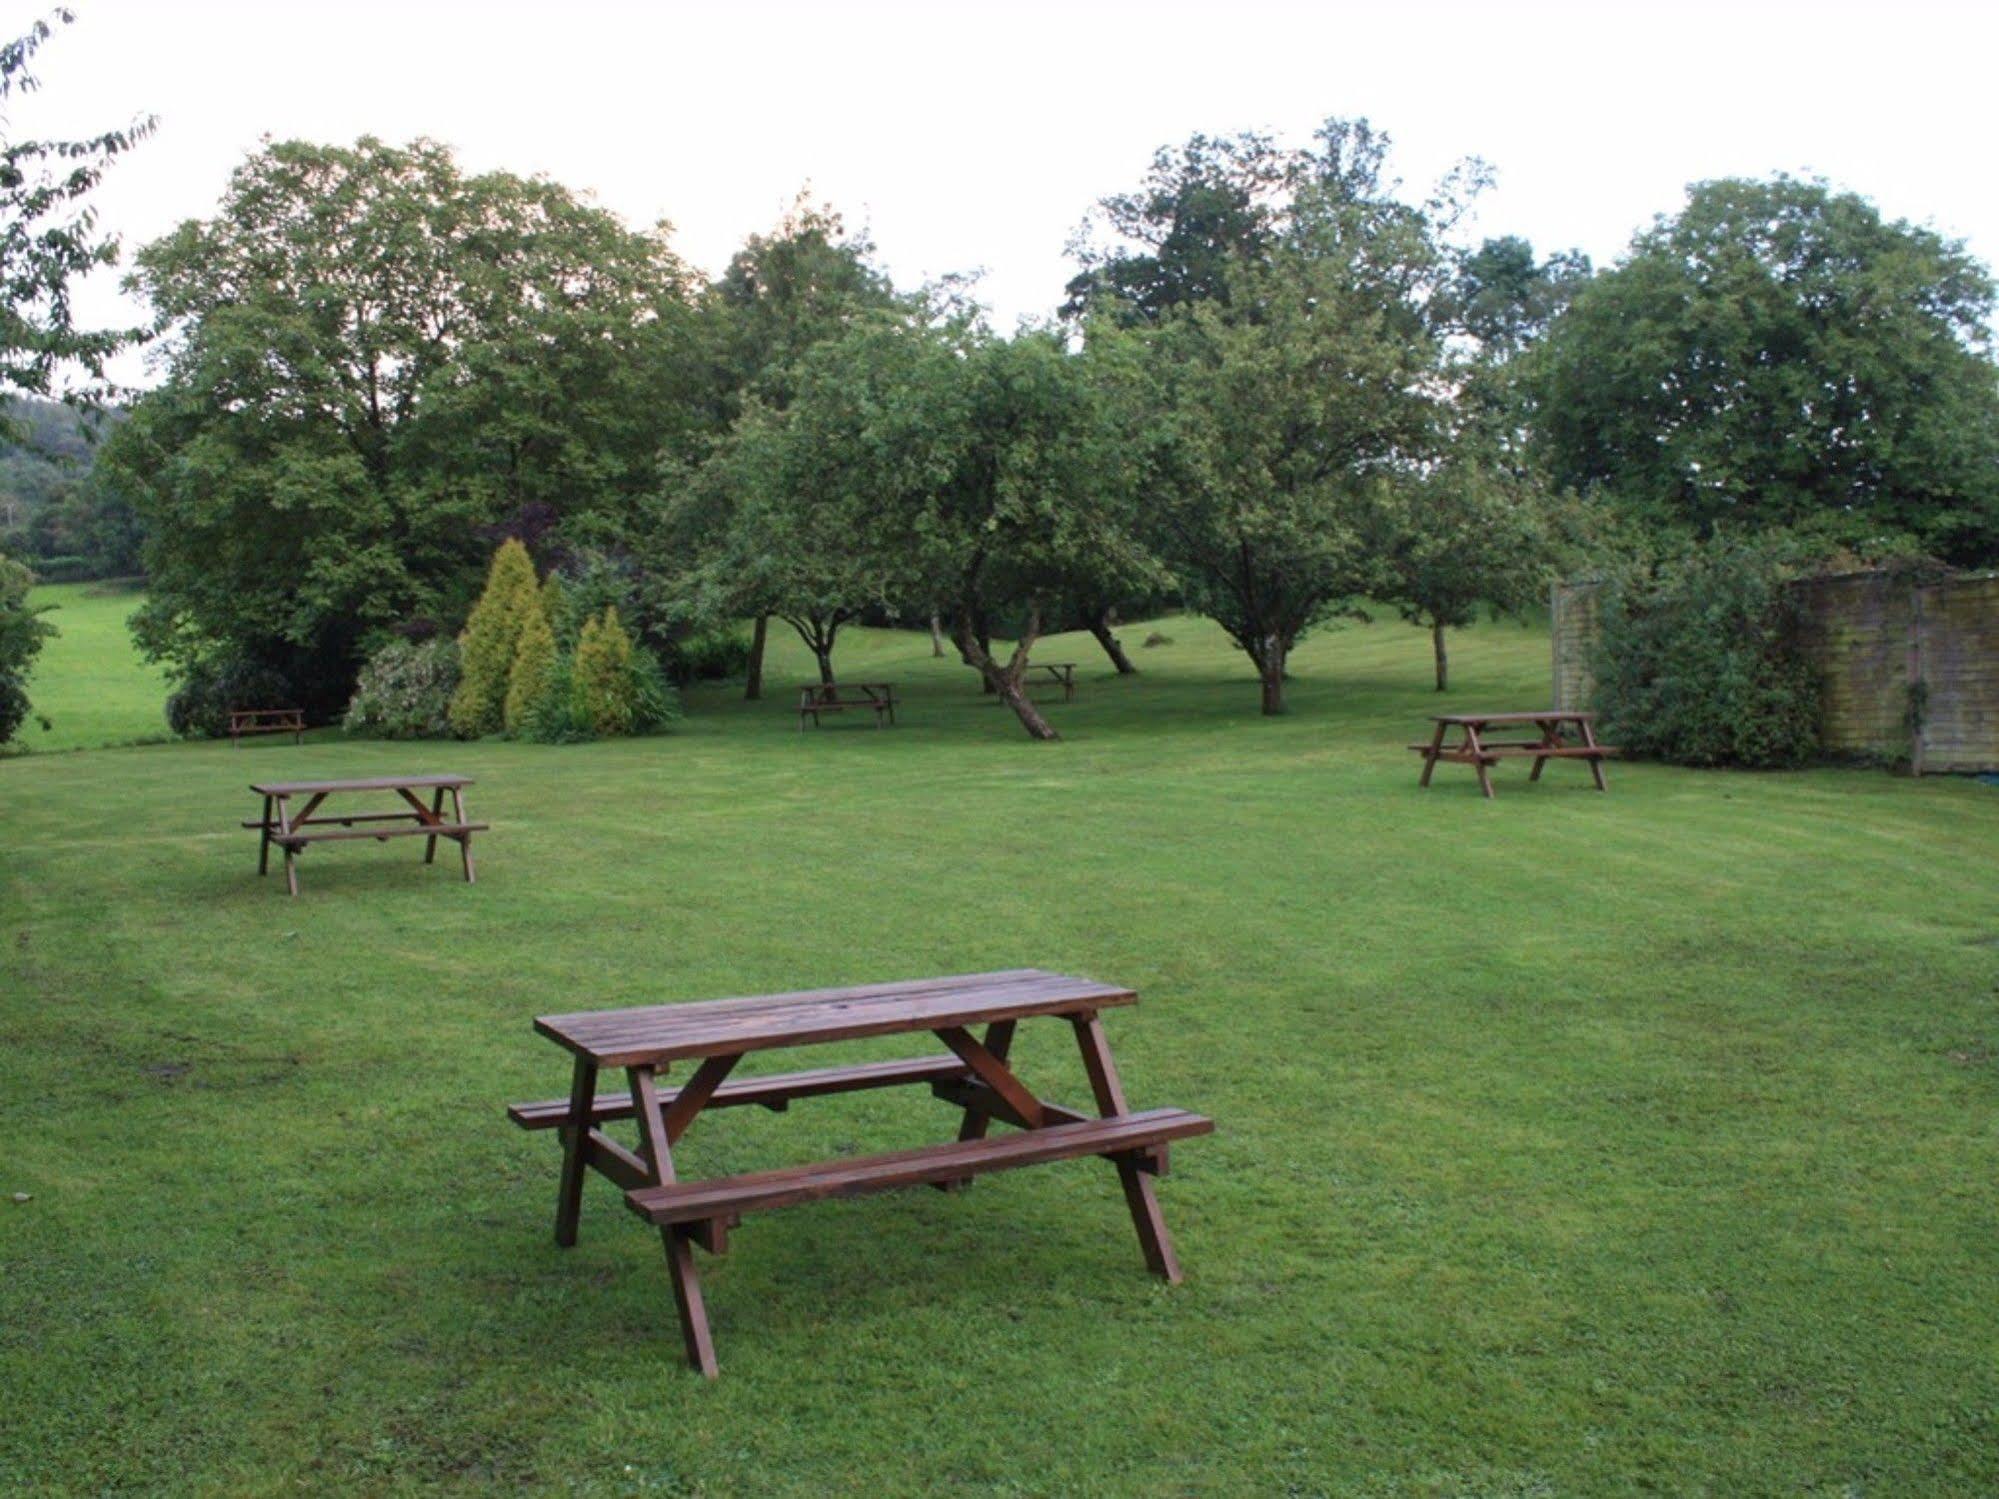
{"points": [[985, 637], [1006, 680], [1443, 657], [753, 685], [825, 659], [1100, 626], [1270, 664], [936, 634]]}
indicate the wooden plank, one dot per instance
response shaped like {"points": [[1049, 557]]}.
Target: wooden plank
{"points": [[772, 1092], [370, 783], [758, 1191], [655, 1033], [994, 1074]]}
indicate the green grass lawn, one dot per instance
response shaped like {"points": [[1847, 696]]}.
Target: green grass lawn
{"points": [[88, 681], [1567, 1143]]}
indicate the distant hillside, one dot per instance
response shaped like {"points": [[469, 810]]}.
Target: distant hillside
{"points": [[56, 514]]}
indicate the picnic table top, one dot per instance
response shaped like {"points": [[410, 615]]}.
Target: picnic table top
{"points": [[653, 1034], [368, 783], [1539, 715]]}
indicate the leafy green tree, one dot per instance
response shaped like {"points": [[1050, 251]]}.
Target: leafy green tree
{"points": [[373, 362], [1504, 297], [984, 460], [1275, 419], [492, 637], [601, 681], [782, 293], [49, 235], [532, 671], [22, 631], [1776, 354], [1464, 536]]}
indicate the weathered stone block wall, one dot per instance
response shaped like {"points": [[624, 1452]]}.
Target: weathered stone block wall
{"points": [[1911, 668]]}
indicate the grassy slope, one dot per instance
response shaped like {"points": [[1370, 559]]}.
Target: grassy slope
{"points": [[1568, 1143], [88, 682]]}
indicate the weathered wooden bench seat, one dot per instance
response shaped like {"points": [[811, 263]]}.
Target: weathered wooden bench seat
{"points": [[1131, 1136], [774, 1092], [266, 721]]}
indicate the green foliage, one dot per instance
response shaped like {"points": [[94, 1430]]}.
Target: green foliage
{"points": [[1776, 354], [49, 235], [22, 631], [711, 654], [1698, 661], [199, 706], [533, 666], [492, 636], [602, 695], [521, 367], [655, 703], [1273, 420], [405, 691]]}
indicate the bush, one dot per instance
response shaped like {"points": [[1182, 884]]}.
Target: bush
{"points": [[405, 691], [22, 632], [1699, 662], [711, 655], [655, 704], [199, 707], [492, 635], [1156, 639], [601, 676], [534, 664]]}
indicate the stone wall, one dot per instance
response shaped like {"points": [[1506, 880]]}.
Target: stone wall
{"points": [[1911, 667]]}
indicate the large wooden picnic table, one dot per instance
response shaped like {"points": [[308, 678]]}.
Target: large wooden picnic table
{"points": [[972, 1074], [292, 830], [1553, 727]]}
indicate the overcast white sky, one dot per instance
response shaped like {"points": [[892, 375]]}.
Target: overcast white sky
{"points": [[977, 135]]}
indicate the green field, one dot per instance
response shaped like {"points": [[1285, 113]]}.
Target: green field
{"points": [[88, 681], [1567, 1143]]}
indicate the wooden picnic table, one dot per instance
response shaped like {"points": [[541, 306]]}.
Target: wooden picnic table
{"points": [[293, 831], [1063, 672], [1473, 748], [840, 697], [266, 721], [972, 1075]]}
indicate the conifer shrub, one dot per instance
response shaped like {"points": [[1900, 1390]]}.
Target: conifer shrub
{"points": [[534, 665], [601, 685], [491, 637]]}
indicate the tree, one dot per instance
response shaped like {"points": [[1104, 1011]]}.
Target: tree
{"points": [[781, 294], [22, 631], [1280, 416], [375, 363], [802, 503], [492, 638], [1463, 536], [49, 235], [986, 460], [1776, 355], [1504, 298]]}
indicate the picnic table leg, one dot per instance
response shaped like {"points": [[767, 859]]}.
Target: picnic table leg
{"points": [[1551, 738], [1478, 761], [264, 841], [999, 1041], [464, 839], [677, 1242], [575, 1139], [1430, 758], [291, 849], [1139, 1194], [436, 811], [1595, 761]]}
